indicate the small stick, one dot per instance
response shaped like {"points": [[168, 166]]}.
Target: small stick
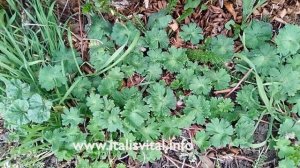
{"points": [[238, 48], [243, 158], [171, 160], [177, 161], [222, 91], [64, 9], [239, 83], [279, 20], [80, 27]]}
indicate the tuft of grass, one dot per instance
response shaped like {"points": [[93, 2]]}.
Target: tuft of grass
{"points": [[29, 37]]}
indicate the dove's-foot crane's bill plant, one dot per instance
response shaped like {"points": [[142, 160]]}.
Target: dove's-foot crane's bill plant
{"points": [[175, 90]]}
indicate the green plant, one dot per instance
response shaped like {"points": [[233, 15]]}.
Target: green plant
{"points": [[222, 46], [205, 56], [21, 106], [142, 89], [249, 6], [171, 5], [192, 4], [189, 8], [159, 20], [27, 45], [257, 34], [289, 153], [98, 6], [52, 77], [191, 32], [220, 131], [288, 40]]}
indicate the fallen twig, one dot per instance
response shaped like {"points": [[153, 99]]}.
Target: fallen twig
{"points": [[81, 31], [177, 161], [243, 158], [64, 9], [171, 160], [222, 91], [239, 83]]}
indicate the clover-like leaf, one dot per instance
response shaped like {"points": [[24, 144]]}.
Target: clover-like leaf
{"points": [[201, 140], [65, 56], [200, 85], [199, 107], [288, 39], [161, 100], [283, 76], [15, 89], [51, 77], [94, 102], [247, 97], [257, 34], [125, 95], [156, 39], [222, 46], [154, 72], [220, 131], [71, 117], [296, 104], [191, 32], [110, 120], [185, 75], [95, 130], [98, 57], [111, 82], [82, 87], [62, 141], [159, 20], [99, 28], [150, 131], [123, 33], [244, 129], [135, 113], [221, 107], [285, 148], [156, 56], [264, 58], [137, 61], [175, 59], [289, 128], [286, 163], [169, 128], [220, 79], [39, 110], [17, 113]]}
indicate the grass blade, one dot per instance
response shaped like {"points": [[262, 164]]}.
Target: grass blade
{"points": [[122, 57]]}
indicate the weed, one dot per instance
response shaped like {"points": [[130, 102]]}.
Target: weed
{"points": [[142, 89]]}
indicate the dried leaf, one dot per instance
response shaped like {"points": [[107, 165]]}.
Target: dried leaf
{"points": [[206, 162], [283, 13], [230, 8], [174, 25]]}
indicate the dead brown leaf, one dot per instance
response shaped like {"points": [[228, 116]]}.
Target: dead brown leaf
{"points": [[235, 150], [174, 25], [134, 80], [279, 20], [283, 13], [206, 162], [230, 8]]}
